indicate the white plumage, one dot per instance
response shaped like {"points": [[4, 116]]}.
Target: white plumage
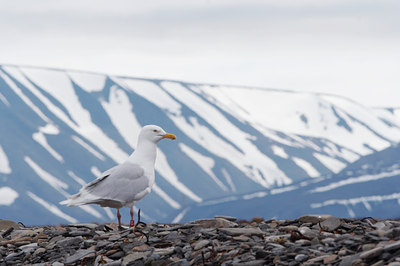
{"points": [[127, 183]]}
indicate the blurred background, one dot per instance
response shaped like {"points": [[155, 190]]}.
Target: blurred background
{"points": [[270, 101]]}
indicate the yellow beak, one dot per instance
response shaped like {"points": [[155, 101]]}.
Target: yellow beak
{"points": [[169, 136]]}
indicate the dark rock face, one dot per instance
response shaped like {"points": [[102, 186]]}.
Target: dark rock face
{"points": [[304, 241]]}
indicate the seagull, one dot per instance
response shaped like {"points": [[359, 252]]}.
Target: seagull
{"points": [[127, 183]]}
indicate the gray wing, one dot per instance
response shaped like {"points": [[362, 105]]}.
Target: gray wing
{"points": [[122, 184]]}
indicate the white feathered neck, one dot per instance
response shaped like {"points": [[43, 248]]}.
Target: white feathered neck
{"points": [[145, 153]]}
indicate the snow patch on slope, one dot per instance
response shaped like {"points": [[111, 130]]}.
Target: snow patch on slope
{"points": [[354, 201], [205, 163], [330, 163], [306, 166], [77, 179], [153, 93], [4, 100], [7, 196], [4, 163], [120, 111], [165, 197], [279, 151], [88, 81], [41, 139], [52, 208], [23, 97], [45, 176], [355, 180], [88, 148], [168, 174]]}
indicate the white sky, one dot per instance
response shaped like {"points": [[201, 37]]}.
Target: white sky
{"points": [[344, 47]]}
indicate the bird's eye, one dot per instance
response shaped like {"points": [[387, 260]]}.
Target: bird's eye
{"points": [[155, 130]]}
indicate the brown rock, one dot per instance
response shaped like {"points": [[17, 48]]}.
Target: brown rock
{"points": [[313, 218], [241, 238], [257, 219], [330, 258], [22, 233], [12, 241], [5, 224], [215, 223], [141, 248]]}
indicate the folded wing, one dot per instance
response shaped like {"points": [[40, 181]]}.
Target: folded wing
{"points": [[115, 188]]}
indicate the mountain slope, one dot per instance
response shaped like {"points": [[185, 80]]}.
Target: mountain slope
{"points": [[63, 128], [368, 187]]}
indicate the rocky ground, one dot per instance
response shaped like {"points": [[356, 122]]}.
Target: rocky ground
{"points": [[308, 240]]}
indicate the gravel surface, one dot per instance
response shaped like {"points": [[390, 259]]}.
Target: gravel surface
{"points": [[308, 240]]}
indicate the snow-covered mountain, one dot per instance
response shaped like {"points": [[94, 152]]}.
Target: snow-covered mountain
{"points": [[61, 128]]}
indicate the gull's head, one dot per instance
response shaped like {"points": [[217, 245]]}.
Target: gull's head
{"points": [[154, 133]]}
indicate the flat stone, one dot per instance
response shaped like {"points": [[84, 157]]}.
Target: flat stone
{"points": [[289, 228], [330, 258], [114, 263], [313, 218], [303, 242], [375, 252], [331, 224], [392, 233], [215, 223], [242, 231], [357, 262], [78, 255], [22, 233], [39, 251], [393, 246], [86, 225], [70, 241], [116, 255], [241, 238], [164, 251], [14, 255], [29, 247], [201, 244], [369, 246], [25, 239], [229, 218], [300, 257], [134, 256], [22, 243], [308, 232], [114, 238], [140, 248], [349, 260]]}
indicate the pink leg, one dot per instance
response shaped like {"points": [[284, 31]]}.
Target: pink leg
{"points": [[132, 221], [119, 218]]}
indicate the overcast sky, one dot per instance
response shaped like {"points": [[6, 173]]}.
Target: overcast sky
{"points": [[344, 47]]}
